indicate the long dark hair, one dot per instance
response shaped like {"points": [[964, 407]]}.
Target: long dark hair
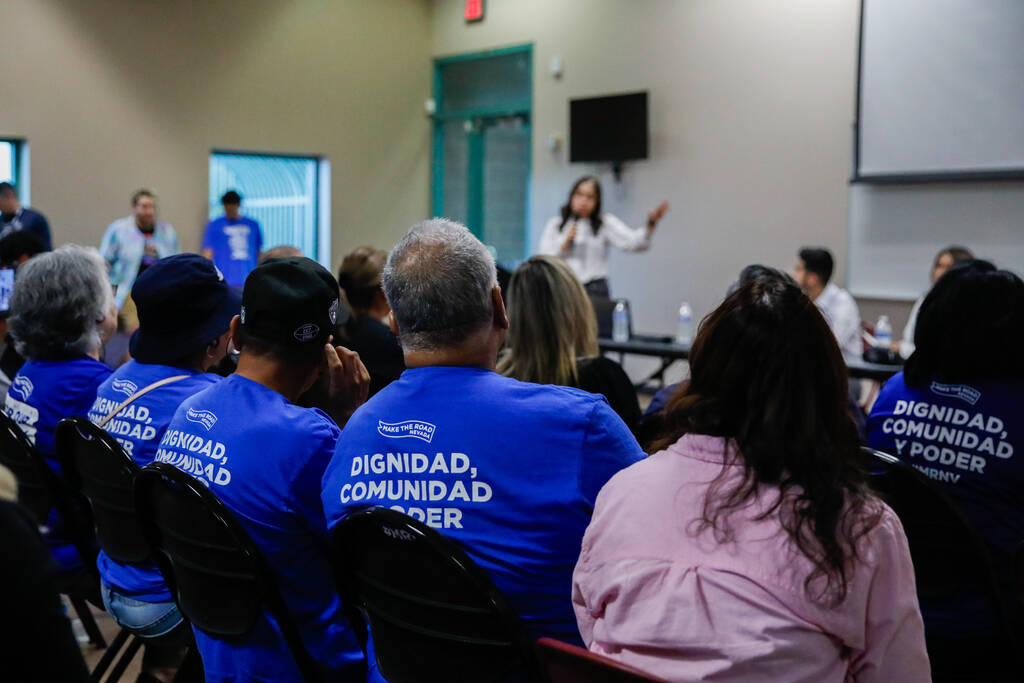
{"points": [[766, 374], [970, 327], [595, 216]]}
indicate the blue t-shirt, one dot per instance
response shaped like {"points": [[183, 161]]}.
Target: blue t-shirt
{"points": [[965, 438], [236, 247], [509, 469], [139, 428], [42, 394], [45, 392], [264, 458]]}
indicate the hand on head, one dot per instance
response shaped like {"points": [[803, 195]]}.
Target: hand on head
{"points": [[348, 381]]}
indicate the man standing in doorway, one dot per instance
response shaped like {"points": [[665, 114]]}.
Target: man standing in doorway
{"points": [[13, 217], [133, 243], [233, 242]]}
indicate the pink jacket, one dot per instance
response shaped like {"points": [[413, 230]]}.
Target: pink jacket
{"points": [[651, 594]]}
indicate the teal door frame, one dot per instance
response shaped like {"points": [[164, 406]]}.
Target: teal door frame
{"points": [[480, 117]]}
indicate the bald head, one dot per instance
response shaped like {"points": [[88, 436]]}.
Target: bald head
{"points": [[284, 251], [439, 280]]}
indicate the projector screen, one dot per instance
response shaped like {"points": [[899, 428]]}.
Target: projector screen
{"points": [[940, 90]]}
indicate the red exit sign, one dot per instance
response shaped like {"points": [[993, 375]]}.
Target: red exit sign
{"points": [[474, 10]]}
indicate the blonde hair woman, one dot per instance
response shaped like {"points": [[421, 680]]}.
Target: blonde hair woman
{"points": [[552, 336]]}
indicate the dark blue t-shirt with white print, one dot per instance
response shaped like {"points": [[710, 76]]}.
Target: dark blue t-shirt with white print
{"points": [[969, 439], [42, 394], [264, 458], [509, 469], [139, 428]]}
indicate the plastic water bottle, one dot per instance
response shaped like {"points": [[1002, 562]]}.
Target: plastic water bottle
{"points": [[883, 332], [684, 324], [620, 322]]}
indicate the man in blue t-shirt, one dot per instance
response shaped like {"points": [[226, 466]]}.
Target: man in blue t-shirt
{"points": [[264, 457], [233, 241], [507, 468], [185, 309]]}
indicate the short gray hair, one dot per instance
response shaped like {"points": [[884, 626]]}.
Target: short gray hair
{"points": [[59, 299], [438, 281]]}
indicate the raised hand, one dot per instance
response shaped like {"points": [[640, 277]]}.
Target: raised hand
{"points": [[654, 216]]}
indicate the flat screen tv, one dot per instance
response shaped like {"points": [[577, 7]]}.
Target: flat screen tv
{"points": [[611, 128]]}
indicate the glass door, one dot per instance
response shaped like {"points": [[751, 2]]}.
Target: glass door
{"points": [[482, 146]]}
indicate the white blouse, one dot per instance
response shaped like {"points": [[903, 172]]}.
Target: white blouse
{"points": [[907, 343], [588, 256]]}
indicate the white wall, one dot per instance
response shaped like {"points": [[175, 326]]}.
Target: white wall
{"points": [[751, 104]]}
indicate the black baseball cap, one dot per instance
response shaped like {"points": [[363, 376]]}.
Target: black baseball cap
{"points": [[291, 302], [184, 303]]}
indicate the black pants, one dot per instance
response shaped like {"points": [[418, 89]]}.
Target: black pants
{"points": [[598, 288]]}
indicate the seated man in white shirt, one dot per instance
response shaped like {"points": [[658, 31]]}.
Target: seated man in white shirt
{"points": [[812, 272]]}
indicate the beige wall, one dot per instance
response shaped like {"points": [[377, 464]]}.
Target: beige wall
{"points": [[117, 94], [751, 106]]}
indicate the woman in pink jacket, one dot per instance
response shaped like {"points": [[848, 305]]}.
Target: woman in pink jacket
{"points": [[749, 547]]}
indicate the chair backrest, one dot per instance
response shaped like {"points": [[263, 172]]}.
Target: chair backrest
{"points": [[1018, 574], [434, 614], [97, 465], [565, 663], [41, 489], [19, 456], [949, 556], [604, 309], [213, 568]]}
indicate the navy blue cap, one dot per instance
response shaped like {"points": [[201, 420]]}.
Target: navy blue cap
{"points": [[184, 303]]}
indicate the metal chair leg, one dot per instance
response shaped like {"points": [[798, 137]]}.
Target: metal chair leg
{"points": [[88, 622], [108, 657], [124, 660]]}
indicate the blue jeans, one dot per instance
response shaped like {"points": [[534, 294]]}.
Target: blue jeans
{"points": [[146, 619]]}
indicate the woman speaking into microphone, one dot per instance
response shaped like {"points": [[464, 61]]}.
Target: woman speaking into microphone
{"points": [[582, 234]]}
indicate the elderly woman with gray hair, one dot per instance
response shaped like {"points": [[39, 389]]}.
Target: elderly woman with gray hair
{"points": [[62, 312]]}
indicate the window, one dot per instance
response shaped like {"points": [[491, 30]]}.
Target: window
{"points": [[288, 195], [14, 166], [8, 161]]}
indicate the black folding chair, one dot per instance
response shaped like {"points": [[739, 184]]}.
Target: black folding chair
{"points": [[215, 571], [604, 309], [41, 490], [433, 613], [951, 561], [97, 466], [35, 483]]}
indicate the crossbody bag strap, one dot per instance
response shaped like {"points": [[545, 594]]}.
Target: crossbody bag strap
{"points": [[139, 394]]}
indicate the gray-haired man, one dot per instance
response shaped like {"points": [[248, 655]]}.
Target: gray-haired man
{"points": [[509, 469]]}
